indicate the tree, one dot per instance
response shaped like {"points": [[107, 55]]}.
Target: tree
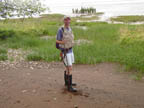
{"points": [[28, 8], [6, 9], [20, 8], [84, 10]]}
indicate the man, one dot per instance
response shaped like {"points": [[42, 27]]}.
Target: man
{"points": [[65, 40]]}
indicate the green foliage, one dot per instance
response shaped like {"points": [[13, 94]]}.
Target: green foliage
{"points": [[34, 57], [53, 18], [6, 34], [3, 54], [83, 10], [82, 18], [20, 8], [127, 19], [28, 7], [6, 8], [109, 42]]}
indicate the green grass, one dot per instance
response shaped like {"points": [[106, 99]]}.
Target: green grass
{"points": [[85, 18], [127, 19], [116, 43], [3, 54]]}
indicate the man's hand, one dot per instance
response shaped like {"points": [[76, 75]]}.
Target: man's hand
{"points": [[61, 42], [64, 42]]}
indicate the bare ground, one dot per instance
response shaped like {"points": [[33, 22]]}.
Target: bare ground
{"points": [[41, 85]]}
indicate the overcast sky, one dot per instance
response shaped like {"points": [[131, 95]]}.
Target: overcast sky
{"points": [[107, 6], [88, 1]]}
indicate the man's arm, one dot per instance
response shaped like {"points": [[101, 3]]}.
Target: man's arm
{"points": [[60, 42], [59, 37]]}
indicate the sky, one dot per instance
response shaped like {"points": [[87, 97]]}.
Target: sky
{"points": [[110, 7], [84, 2]]}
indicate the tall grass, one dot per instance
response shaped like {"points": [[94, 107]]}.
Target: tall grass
{"points": [[123, 44], [127, 19], [113, 43], [3, 54]]}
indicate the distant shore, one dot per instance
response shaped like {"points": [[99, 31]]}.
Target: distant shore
{"points": [[99, 17], [125, 19]]}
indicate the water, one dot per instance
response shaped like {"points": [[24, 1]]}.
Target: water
{"points": [[109, 7]]}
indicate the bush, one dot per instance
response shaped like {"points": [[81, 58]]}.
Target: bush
{"points": [[34, 57], [3, 54], [6, 34]]}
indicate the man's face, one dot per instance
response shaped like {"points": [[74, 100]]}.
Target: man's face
{"points": [[67, 22]]}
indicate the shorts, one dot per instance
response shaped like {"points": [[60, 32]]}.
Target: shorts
{"points": [[69, 59]]}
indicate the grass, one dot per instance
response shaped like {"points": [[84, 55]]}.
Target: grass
{"points": [[99, 13], [116, 43], [128, 19], [86, 18], [3, 54]]}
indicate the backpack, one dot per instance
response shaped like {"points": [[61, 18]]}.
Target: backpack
{"points": [[57, 44]]}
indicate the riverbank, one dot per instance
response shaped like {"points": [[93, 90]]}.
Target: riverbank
{"points": [[41, 84], [131, 20], [97, 41]]}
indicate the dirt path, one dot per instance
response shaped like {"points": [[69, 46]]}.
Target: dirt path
{"points": [[100, 86]]}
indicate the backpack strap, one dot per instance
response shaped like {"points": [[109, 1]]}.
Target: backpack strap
{"points": [[62, 29]]}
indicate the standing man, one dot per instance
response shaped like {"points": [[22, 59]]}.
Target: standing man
{"points": [[65, 42]]}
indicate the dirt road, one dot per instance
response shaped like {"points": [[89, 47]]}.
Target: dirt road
{"points": [[99, 86]]}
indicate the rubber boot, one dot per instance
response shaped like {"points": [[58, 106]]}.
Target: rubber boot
{"points": [[66, 79], [70, 88], [73, 84]]}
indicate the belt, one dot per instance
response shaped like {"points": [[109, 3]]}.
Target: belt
{"points": [[66, 49]]}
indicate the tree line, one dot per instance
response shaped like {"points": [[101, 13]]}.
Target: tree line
{"points": [[84, 10]]}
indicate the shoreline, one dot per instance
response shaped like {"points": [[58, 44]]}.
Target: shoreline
{"points": [[102, 17]]}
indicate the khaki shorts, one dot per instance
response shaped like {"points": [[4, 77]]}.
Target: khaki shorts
{"points": [[69, 59]]}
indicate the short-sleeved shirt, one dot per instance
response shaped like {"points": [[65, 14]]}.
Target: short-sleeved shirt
{"points": [[60, 36]]}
